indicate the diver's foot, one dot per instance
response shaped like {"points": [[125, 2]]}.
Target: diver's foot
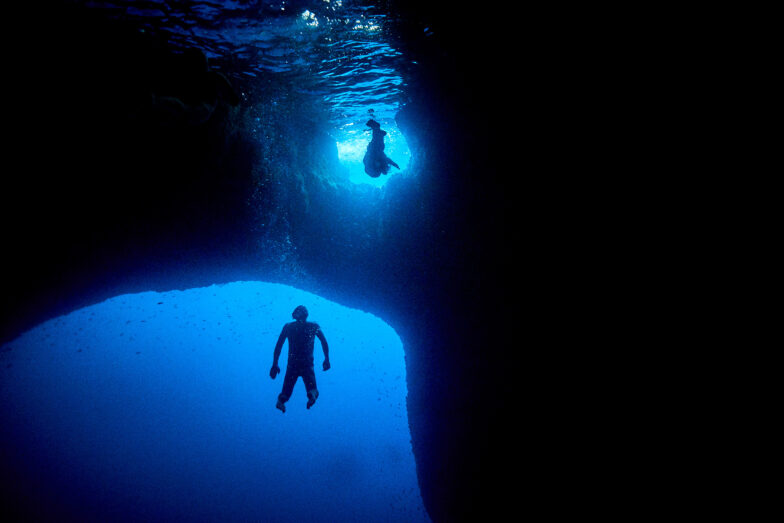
{"points": [[280, 406], [311, 398]]}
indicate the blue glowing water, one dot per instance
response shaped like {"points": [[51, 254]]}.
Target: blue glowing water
{"points": [[159, 406]]}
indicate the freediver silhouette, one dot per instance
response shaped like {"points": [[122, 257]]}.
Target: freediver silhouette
{"points": [[301, 335], [375, 160]]}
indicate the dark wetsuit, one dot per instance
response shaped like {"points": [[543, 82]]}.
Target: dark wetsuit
{"points": [[376, 162], [301, 335]]}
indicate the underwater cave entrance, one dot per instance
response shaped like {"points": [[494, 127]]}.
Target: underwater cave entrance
{"points": [[352, 142], [160, 406]]}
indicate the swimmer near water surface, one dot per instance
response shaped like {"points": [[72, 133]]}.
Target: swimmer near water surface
{"points": [[375, 160]]}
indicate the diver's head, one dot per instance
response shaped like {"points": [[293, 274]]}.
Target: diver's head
{"points": [[373, 124], [300, 313]]}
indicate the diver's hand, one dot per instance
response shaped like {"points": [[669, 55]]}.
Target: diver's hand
{"points": [[274, 371], [326, 365]]}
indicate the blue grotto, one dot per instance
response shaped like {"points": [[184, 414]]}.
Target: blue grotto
{"points": [[186, 174]]}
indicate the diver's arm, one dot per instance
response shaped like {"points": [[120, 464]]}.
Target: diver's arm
{"points": [[276, 355], [325, 348]]}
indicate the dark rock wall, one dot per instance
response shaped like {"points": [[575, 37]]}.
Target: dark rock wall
{"points": [[108, 178]]}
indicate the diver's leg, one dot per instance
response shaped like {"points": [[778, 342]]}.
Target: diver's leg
{"points": [[309, 378], [288, 388], [370, 165]]}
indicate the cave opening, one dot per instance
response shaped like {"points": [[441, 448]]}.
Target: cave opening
{"points": [[159, 404]]}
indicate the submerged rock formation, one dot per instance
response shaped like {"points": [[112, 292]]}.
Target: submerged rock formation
{"points": [[111, 198]]}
